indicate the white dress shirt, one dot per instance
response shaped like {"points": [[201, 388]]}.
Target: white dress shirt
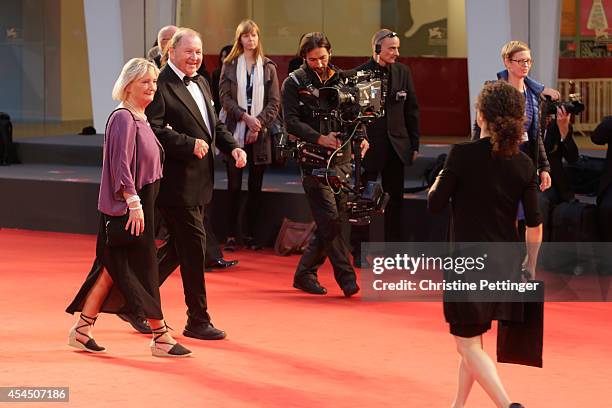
{"points": [[197, 95]]}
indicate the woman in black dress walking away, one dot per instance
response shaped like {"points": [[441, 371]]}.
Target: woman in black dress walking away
{"points": [[485, 180]]}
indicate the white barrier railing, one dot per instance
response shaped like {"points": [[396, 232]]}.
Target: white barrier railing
{"points": [[596, 94]]}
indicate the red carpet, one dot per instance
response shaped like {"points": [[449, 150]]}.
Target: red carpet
{"points": [[284, 348]]}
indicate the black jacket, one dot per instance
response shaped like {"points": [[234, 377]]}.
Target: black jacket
{"points": [[485, 192], [176, 120], [602, 135], [400, 125], [557, 150], [299, 106]]}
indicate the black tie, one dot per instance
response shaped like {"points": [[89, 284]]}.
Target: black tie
{"points": [[187, 79]]}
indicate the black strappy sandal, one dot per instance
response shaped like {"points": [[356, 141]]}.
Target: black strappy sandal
{"points": [[90, 346], [177, 349]]}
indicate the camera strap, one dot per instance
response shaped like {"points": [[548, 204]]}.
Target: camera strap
{"points": [[303, 81], [301, 77]]}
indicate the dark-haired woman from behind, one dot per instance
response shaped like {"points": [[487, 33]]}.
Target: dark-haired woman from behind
{"points": [[485, 180]]}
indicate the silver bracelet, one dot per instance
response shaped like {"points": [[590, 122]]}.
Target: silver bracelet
{"points": [[135, 208], [132, 199]]}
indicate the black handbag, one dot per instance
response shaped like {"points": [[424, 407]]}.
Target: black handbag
{"points": [[522, 342], [262, 148], [116, 234]]}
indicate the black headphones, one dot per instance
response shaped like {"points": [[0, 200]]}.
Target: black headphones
{"points": [[377, 46]]}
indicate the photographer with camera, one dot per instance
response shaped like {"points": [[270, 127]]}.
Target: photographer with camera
{"points": [[559, 144], [329, 206], [394, 137]]}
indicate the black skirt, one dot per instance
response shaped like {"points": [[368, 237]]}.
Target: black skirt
{"points": [[469, 317], [133, 269]]}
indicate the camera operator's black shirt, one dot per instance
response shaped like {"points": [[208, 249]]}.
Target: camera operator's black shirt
{"points": [[299, 106]]}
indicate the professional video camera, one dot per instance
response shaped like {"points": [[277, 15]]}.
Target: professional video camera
{"points": [[573, 106], [358, 99]]}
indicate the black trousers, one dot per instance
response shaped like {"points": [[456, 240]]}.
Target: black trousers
{"points": [[234, 186], [392, 175], [604, 210], [186, 247], [213, 250], [330, 215]]}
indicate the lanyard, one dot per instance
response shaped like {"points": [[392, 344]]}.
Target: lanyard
{"points": [[249, 88]]}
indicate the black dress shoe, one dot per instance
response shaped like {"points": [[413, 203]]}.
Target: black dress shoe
{"points": [[310, 286], [350, 289], [250, 243], [230, 245], [220, 263], [138, 323], [203, 331], [516, 405]]}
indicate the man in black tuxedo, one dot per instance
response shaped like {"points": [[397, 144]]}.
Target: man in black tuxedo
{"points": [[184, 121], [214, 255], [394, 138]]}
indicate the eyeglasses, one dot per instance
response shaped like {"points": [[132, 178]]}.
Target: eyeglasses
{"points": [[527, 62]]}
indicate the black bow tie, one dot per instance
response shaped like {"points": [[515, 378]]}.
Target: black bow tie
{"points": [[187, 79]]}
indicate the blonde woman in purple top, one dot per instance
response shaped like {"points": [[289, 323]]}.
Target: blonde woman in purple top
{"points": [[131, 170]]}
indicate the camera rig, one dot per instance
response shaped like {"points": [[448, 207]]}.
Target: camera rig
{"points": [[357, 100]]}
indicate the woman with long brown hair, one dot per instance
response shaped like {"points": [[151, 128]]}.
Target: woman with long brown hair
{"points": [[250, 98], [486, 179]]}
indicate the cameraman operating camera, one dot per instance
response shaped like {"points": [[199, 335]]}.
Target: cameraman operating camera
{"points": [[300, 102]]}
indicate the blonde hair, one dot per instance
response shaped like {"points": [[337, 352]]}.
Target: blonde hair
{"points": [[176, 39], [511, 48], [132, 70], [245, 27]]}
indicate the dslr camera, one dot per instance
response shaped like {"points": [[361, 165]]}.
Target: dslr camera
{"points": [[574, 105]]}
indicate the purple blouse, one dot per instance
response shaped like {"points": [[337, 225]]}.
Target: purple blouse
{"points": [[119, 161]]}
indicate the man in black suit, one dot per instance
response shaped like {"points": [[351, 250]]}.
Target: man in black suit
{"points": [[184, 121], [601, 136], [214, 255], [394, 138]]}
